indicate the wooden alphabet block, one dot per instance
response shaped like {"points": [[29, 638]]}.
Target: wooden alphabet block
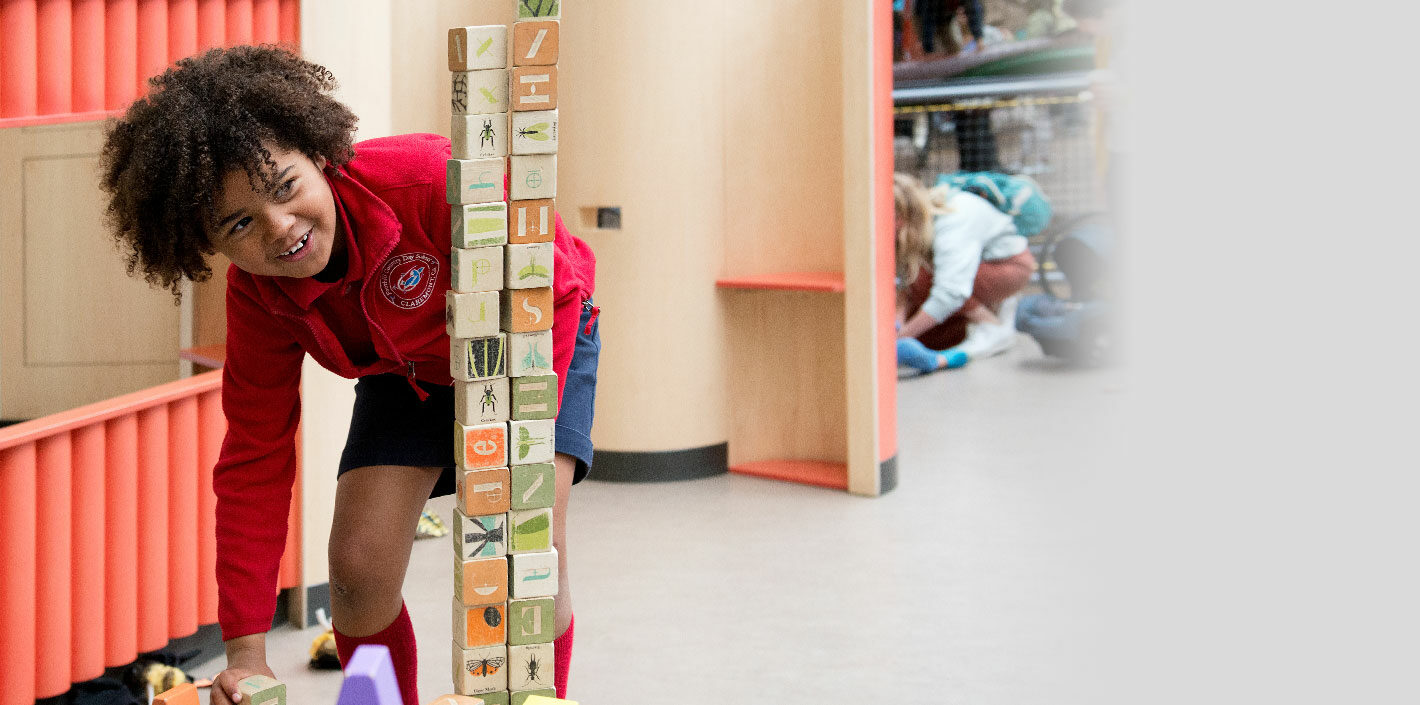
{"points": [[532, 574], [184, 694], [534, 397], [481, 582], [484, 402], [477, 269], [482, 492], [475, 48], [499, 697], [534, 176], [481, 536], [529, 530], [370, 678], [539, 8], [483, 625], [534, 88], [452, 699], [535, 132], [479, 136], [476, 181], [547, 700], [523, 697], [527, 310], [528, 266], [529, 354], [473, 359], [262, 690], [535, 485], [480, 447], [531, 621], [531, 221], [536, 42], [480, 92], [530, 666], [471, 315], [530, 441], [477, 225], [480, 670]]}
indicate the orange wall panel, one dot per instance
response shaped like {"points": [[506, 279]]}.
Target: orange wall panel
{"points": [[17, 574], [86, 569], [182, 29], [19, 57], [55, 66], [52, 550], [120, 53], [87, 62], [238, 22]]}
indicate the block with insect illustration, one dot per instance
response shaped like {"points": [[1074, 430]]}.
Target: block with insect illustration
{"points": [[476, 181], [481, 492], [534, 176], [484, 402], [534, 485], [262, 690], [530, 354], [370, 678], [480, 92], [482, 581], [185, 694], [482, 446], [529, 666], [478, 269], [530, 441], [482, 625], [528, 266], [535, 132], [546, 9], [481, 536], [472, 315], [534, 397], [536, 42], [526, 310], [532, 574], [479, 136], [531, 221], [531, 621], [534, 88], [452, 699], [480, 670], [477, 48], [529, 530], [473, 359]]}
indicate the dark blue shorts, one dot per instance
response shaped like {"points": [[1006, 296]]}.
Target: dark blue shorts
{"points": [[391, 426]]}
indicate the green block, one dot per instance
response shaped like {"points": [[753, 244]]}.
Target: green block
{"points": [[521, 697], [534, 486], [531, 621], [530, 530], [262, 690], [534, 397], [539, 8], [497, 697]]}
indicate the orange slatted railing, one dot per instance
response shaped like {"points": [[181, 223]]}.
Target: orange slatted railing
{"points": [[77, 60]]}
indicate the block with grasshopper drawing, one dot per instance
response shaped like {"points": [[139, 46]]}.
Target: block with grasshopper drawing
{"points": [[262, 690], [475, 181], [482, 581], [477, 48], [530, 441], [480, 670], [534, 176], [530, 354], [480, 92], [547, 9], [526, 310], [536, 42], [483, 402], [531, 221], [528, 266], [478, 269], [479, 136], [481, 492], [482, 625], [472, 315], [531, 621], [534, 486], [473, 359], [535, 132], [533, 88], [534, 397], [480, 447], [529, 530], [532, 574], [480, 536], [529, 666]]}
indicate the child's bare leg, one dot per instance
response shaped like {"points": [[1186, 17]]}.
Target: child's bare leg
{"points": [[566, 467]]}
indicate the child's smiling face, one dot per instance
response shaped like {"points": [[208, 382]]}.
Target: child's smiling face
{"points": [[288, 231]]}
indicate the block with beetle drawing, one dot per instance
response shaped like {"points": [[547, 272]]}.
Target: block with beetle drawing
{"points": [[482, 402], [526, 310], [479, 136], [529, 666], [477, 48], [530, 441], [534, 485], [481, 492], [480, 92], [471, 315]]}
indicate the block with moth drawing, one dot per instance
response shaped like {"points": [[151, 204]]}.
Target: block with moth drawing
{"points": [[532, 575], [481, 625], [478, 269], [526, 697], [530, 441], [529, 530], [528, 266], [534, 397], [534, 176], [531, 621], [533, 88], [534, 486], [483, 581], [546, 9], [370, 678], [262, 690], [478, 48], [476, 181], [530, 666], [472, 315], [473, 359], [481, 492], [479, 92], [531, 221], [480, 536], [184, 694], [530, 354], [535, 132], [482, 446], [454, 699], [480, 670], [536, 42], [479, 136], [527, 310], [483, 402]]}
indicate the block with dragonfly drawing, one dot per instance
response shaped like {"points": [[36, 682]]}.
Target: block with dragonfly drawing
{"points": [[531, 221], [478, 48], [530, 354], [546, 9], [480, 536], [530, 441], [531, 621], [528, 266], [535, 132], [479, 136], [473, 359], [530, 666], [532, 574], [483, 402], [536, 42], [481, 492], [534, 176], [534, 88], [534, 485], [529, 530], [480, 92], [262, 690], [482, 581], [475, 181], [530, 697], [481, 625], [526, 310], [472, 315], [480, 670], [534, 397], [478, 269], [480, 447]]}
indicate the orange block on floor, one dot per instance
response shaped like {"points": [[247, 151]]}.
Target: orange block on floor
{"points": [[185, 694]]}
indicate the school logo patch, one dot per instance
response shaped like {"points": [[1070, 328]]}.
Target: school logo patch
{"points": [[408, 280]]}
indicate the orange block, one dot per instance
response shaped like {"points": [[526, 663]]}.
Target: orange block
{"points": [[482, 581], [531, 221], [528, 310], [534, 88], [185, 694], [484, 492], [481, 447], [484, 625], [536, 42]]}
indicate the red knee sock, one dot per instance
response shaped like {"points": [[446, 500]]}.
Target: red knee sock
{"points": [[399, 637], [562, 658]]}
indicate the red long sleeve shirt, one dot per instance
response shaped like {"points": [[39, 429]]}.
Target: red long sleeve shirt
{"points": [[385, 316]]}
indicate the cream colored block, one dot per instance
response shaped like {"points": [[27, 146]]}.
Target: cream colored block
{"points": [[480, 670], [530, 666], [535, 132], [472, 315], [484, 402], [532, 574], [476, 181], [480, 537], [530, 354], [528, 266], [480, 225], [479, 269], [534, 176], [479, 92], [475, 48], [530, 441], [479, 136]]}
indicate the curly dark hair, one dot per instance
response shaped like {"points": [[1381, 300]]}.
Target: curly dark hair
{"points": [[164, 160]]}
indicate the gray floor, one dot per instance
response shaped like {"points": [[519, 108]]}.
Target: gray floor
{"points": [[970, 583]]}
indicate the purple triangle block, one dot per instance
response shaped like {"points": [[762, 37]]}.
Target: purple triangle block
{"points": [[370, 679]]}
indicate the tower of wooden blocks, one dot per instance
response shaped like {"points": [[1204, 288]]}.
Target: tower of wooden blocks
{"points": [[502, 186]]}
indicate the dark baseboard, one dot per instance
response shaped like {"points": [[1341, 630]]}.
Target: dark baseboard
{"points": [[660, 466], [887, 475], [317, 598]]}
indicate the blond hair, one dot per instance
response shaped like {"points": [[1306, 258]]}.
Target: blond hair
{"points": [[914, 207]]}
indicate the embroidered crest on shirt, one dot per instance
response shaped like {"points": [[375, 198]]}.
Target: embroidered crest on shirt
{"points": [[408, 280]]}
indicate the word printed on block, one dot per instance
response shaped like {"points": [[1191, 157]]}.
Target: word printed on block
{"points": [[479, 269], [369, 678], [471, 315], [530, 354], [531, 697], [534, 486], [479, 447], [262, 690], [531, 221], [534, 398], [484, 402], [539, 8], [536, 42], [480, 92], [481, 582], [479, 136], [480, 537], [476, 181], [484, 491], [534, 88], [483, 625], [528, 266], [478, 225], [474, 359], [529, 531], [530, 621], [476, 48], [527, 310], [529, 666], [185, 694], [452, 699], [532, 574], [535, 132], [534, 176], [530, 441], [480, 670]]}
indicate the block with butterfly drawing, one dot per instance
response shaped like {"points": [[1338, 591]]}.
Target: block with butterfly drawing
{"points": [[480, 536], [535, 132], [527, 310], [528, 266], [479, 92], [530, 354], [533, 88], [475, 181], [529, 530], [479, 136], [532, 574], [484, 402], [530, 697], [473, 359], [531, 221], [534, 397], [534, 176], [481, 492], [536, 42], [481, 446], [473, 314], [481, 581], [530, 441], [534, 486], [477, 48], [544, 9], [480, 670], [529, 666], [531, 621], [481, 625]]}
